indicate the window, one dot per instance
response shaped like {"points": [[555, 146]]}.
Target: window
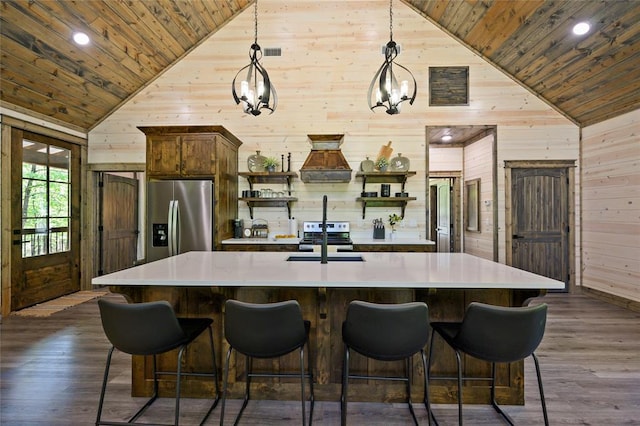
{"points": [[46, 195], [472, 201]]}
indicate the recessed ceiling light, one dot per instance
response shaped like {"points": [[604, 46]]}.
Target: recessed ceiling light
{"points": [[81, 38], [581, 28], [447, 138]]}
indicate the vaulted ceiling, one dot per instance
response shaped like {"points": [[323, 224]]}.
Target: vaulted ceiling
{"points": [[588, 79]]}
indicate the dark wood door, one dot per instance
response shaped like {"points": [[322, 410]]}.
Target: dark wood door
{"points": [[540, 217], [118, 227], [45, 258]]}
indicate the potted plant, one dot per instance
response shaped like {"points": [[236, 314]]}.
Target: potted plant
{"points": [[394, 219], [270, 163], [382, 163]]}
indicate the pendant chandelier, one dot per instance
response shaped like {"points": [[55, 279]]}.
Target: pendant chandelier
{"points": [[384, 90], [256, 91]]}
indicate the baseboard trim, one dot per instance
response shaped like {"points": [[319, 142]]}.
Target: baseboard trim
{"points": [[613, 299]]}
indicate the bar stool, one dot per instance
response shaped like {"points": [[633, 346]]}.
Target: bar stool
{"points": [[268, 330], [152, 328], [385, 332], [495, 334]]}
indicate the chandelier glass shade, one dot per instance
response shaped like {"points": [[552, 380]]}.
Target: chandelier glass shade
{"points": [[393, 84], [255, 92]]}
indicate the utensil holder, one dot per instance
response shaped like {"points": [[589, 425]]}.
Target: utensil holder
{"points": [[378, 233]]}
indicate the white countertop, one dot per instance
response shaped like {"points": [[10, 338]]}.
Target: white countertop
{"points": [[356, 240], [395, 241], [380, 270], [269, 240]]}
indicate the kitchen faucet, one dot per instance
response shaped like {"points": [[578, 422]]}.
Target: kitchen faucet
{"points": [[323, 249]]}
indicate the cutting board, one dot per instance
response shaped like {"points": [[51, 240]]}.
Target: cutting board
{"points": [[385, 151]]}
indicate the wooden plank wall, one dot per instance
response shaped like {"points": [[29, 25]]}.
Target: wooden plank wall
{"points": [[478, 159], [330, 51], [611, 206]]}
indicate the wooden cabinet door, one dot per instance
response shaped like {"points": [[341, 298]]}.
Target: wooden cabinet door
{"points": [[163, 155], [198, 155]]}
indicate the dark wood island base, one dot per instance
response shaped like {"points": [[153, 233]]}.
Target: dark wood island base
{"points": [[325, 308]]}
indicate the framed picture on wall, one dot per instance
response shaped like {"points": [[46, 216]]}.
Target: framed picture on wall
{"points": [[472, 204]]}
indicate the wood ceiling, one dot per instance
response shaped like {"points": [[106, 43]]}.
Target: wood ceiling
{"points": [[588, 79]]}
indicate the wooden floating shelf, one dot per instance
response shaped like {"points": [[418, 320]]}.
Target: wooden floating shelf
{"points": [[269, 177], [384, 202]]}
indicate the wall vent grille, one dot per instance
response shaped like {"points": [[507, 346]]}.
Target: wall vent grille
{"points": [[272, 51]]}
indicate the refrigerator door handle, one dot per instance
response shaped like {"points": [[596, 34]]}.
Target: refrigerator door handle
{"points": [[171, 225], [177, 227]]}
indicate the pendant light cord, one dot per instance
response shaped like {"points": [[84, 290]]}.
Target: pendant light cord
{"points": [[390, 20], [255, 20]]}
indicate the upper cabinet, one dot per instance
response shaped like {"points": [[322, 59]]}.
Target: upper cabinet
{"points": [[187, 151]]}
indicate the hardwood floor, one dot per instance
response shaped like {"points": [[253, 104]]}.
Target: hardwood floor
{"points": [[51, 371]]}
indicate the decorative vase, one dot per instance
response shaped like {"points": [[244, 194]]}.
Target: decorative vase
{"points": [[255, 163], [271, 169], [367, 165], [399, 164]]}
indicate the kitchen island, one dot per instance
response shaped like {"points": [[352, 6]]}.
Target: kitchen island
{"points": [[198, 283]]}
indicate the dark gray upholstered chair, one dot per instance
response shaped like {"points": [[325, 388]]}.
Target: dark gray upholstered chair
{"points": [[495, 334], [385, 332], [267, 330], [152, 328]]}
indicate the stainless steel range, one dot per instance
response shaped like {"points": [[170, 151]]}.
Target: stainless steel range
{"points": [[337, 236]]}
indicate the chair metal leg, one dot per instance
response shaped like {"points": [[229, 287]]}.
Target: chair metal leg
{"points": [[178, 382], [215, 378], [427, 404], [104, 385], [459, 362], [311, 396], [345, 382], [153, 397], [409, 373], [428, 375], [302, 377], [494, 403], [542, 400], [225, 385], [247, 387]]}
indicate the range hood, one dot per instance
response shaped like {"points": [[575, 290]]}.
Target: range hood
{"points": [[325, 163]]}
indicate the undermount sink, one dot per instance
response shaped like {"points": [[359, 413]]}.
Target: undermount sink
{"points": [[354, 258]]}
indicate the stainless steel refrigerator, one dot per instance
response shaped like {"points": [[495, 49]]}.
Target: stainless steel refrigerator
{"points": [[179, 217]]}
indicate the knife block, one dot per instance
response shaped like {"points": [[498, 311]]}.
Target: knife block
{"points": [[378, 233]]}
